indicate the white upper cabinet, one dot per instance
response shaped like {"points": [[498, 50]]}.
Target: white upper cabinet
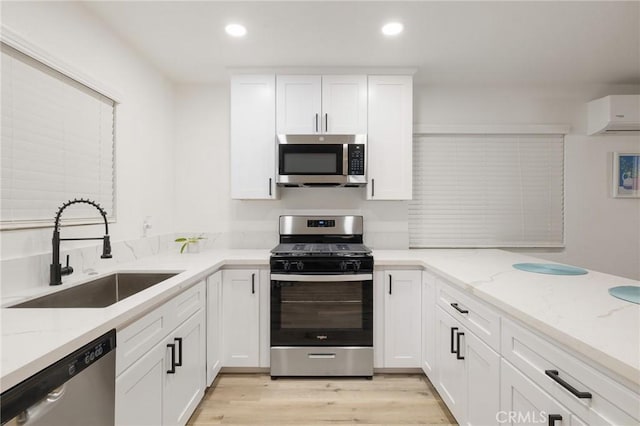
{"points": [[253, 137], [313, 104], [389, 137], [344, 104], [299, 104]]}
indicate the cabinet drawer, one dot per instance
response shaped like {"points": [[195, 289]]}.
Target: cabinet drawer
{"points": [[610, 402], [523, 402], [187, 303], [473, 314], [138, 338]]}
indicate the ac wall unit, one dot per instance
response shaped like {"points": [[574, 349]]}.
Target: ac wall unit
{"points": [[614, 114]]}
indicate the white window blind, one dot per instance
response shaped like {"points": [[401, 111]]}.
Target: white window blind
{"points": [[487, 191], [57, 144]]}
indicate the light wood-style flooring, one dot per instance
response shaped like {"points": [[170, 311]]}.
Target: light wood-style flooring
{"points": [[252, 399]]}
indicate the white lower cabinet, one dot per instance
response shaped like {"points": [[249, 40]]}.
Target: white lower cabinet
{"points": [[140, 391], [165, 385], [449, 378], [241, 318], [590, 395], [214, 326], [468, 373], [184, 388], [524, 403], [402, 318]]}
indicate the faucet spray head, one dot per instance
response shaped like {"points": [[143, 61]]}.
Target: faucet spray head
{"points": [[106, 248]]}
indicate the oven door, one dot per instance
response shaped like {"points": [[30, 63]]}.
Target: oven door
{"points": [[322, 310]]}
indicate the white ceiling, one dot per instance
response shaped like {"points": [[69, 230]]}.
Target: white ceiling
{"points": [[449, 42]]}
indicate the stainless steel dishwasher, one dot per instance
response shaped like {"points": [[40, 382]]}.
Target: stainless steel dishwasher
{"points": [[78, 390]]}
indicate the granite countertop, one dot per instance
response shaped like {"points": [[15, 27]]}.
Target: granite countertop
{"points": [[575, 310]]}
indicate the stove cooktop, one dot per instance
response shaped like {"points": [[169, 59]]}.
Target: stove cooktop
{"points": [[321, 249]]}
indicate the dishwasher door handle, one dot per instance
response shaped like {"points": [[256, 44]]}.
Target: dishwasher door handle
{"points": [[42, 407]]}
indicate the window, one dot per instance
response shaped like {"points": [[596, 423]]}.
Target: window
{"points": [[57, 144], [487, 191]]}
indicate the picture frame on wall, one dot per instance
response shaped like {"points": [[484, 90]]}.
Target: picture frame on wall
{"points": [[626, 175]]}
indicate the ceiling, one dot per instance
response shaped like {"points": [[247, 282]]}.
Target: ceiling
{"points": [[448, 42]]}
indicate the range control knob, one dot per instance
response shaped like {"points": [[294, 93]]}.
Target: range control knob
{"points": [[343, 266], [356, 265], [285, 265], [300, 265]]}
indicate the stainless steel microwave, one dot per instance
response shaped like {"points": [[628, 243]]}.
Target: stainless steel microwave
{"points": [[322, 160]]}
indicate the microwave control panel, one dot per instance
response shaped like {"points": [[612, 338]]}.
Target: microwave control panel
{"points": [[356, 159]]}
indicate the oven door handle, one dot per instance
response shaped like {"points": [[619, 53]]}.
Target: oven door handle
{"points": [[321, 278]]}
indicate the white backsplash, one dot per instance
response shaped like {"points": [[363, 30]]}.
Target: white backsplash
{"points": [[20, 275]]}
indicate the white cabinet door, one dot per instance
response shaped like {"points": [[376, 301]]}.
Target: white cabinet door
{"points": [[185, 388], [482, 369], [402, 319], [214, 326], [140, 390], [428, 324], [298, 103], [450, 375], [253, 137], [344, 104], [523, 402], [389, 137], [240, 318]]}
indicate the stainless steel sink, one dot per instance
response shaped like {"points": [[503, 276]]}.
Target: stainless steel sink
{"points": [[98, 293]]}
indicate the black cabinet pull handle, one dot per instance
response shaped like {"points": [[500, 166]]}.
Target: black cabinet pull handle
{"points": [[555, 376], [269, 187], [326, 122], [373, 187], [179, 362], [253, 283], [453, 333], [553, 418], [316, 122], [172, 370], [459, 309], [390, 283], [458, 356]]}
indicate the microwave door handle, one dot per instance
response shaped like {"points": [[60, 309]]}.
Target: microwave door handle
{"points": [[345, 159]]}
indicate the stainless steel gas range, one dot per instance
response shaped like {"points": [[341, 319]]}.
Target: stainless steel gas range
{"points": [[321, 298]]}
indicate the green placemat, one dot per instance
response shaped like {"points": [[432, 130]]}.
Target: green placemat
{"points": [[550, 268]]}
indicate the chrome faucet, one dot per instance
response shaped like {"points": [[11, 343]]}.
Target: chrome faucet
{"points": [[56, 270]]}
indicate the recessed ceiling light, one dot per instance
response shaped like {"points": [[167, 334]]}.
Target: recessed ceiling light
{"points": [[392, 28], [235, 30]]}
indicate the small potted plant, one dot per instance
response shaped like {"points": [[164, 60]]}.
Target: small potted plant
{"points": [[191, 244]]}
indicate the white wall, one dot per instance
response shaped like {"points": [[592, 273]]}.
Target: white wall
{"points": [[601, 232], [144, 123], [202, 184], [201, 153]]}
